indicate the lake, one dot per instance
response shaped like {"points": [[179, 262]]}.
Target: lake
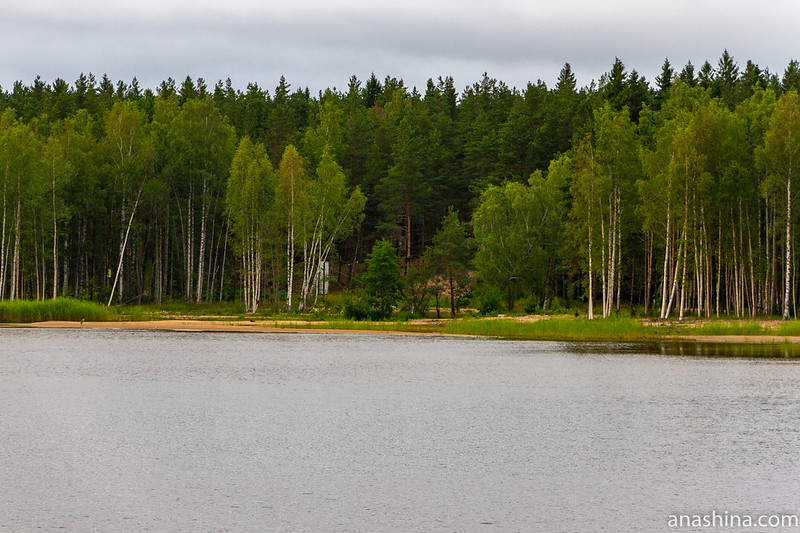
{"points": [[110, 430]]}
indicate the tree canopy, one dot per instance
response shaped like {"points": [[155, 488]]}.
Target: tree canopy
{"points": [[674, 198]]}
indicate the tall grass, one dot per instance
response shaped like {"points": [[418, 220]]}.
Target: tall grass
{"points": [[359, 325], [221, 310], [741, 327], [790, 328], [21, 311], [556, 329]]}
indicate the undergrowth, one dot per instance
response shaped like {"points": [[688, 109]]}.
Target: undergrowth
{"points": [[68, 309]]}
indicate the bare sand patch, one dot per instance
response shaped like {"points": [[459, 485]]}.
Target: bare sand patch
{"points": [[248, 326]]}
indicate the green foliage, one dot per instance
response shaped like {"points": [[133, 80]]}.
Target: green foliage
{"points": [[556, 305], [249, 207], [789, 328], [531, 304], [68, 309], [357, 306], [682, 188], [517, 228], [333, 213], [382, 282], [448, 260], [490, 301]]}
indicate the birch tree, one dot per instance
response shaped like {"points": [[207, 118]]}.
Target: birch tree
{"points": [[606, 166], [130, 153], [517, 229], [249, 207], [292, 195], [332, 214], [781, 156], [20, 176], [202, 145], [68, 156], [617, 156], [586, 190]]}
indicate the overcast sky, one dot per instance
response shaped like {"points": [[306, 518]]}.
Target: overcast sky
{"points": [[321, 43]]}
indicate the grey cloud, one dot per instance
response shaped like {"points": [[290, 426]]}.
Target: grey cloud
{"points": [[321, 47]]}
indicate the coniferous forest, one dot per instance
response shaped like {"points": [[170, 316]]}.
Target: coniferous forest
{"points": [[674, 197]]}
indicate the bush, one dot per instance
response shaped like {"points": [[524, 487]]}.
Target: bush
{"points": [[490, 302], [531, 304], [382, 280], [358, 306]]}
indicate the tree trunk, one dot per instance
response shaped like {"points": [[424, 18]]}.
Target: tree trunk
{"points": [[15, 274], [289, 267], [55, 237], [408, 235], [3, 248], [222, 270], [648, 277], [665, 282], [201, 259], [118, 276], [787, 270], [591, 275], [451, 280]]}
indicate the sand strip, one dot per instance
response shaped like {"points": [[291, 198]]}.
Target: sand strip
{"points": [[257, 326]]}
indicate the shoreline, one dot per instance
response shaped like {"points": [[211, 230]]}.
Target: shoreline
{"points": [[271, 326], [236, 326]]}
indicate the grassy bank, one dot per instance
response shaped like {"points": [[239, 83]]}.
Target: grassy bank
{"points": [[358, 325], [201, 311], [566, 328], [22, 311], [563, 327], [620, 329]]}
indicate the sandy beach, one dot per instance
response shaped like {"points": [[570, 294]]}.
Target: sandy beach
{"points": [[247, 326]]}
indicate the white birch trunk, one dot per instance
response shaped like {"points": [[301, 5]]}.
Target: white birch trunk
{"points": [[787, 270], [189, 245], [665, 280], [3, 249], [289, 267], [118, 276], [55, 237], [202, 249], [591, 275], [16, 254]]}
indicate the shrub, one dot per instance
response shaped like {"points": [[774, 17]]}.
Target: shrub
{"points": [[382, 280], [357, 306], [490, 302], [531, 304]]}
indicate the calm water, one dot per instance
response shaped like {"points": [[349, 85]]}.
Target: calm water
{"points": [[159, 431]]}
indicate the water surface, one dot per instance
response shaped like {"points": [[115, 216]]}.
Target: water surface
{"points": [[168, 431]]}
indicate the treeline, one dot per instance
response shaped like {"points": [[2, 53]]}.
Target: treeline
{"points": [[671, 198]]}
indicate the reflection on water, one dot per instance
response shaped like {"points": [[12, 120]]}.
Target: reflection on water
{"points": [[719, 349], [160, 431], [766, 350]]}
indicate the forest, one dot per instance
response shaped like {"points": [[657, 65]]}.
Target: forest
{"points": [[669, 199]]}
